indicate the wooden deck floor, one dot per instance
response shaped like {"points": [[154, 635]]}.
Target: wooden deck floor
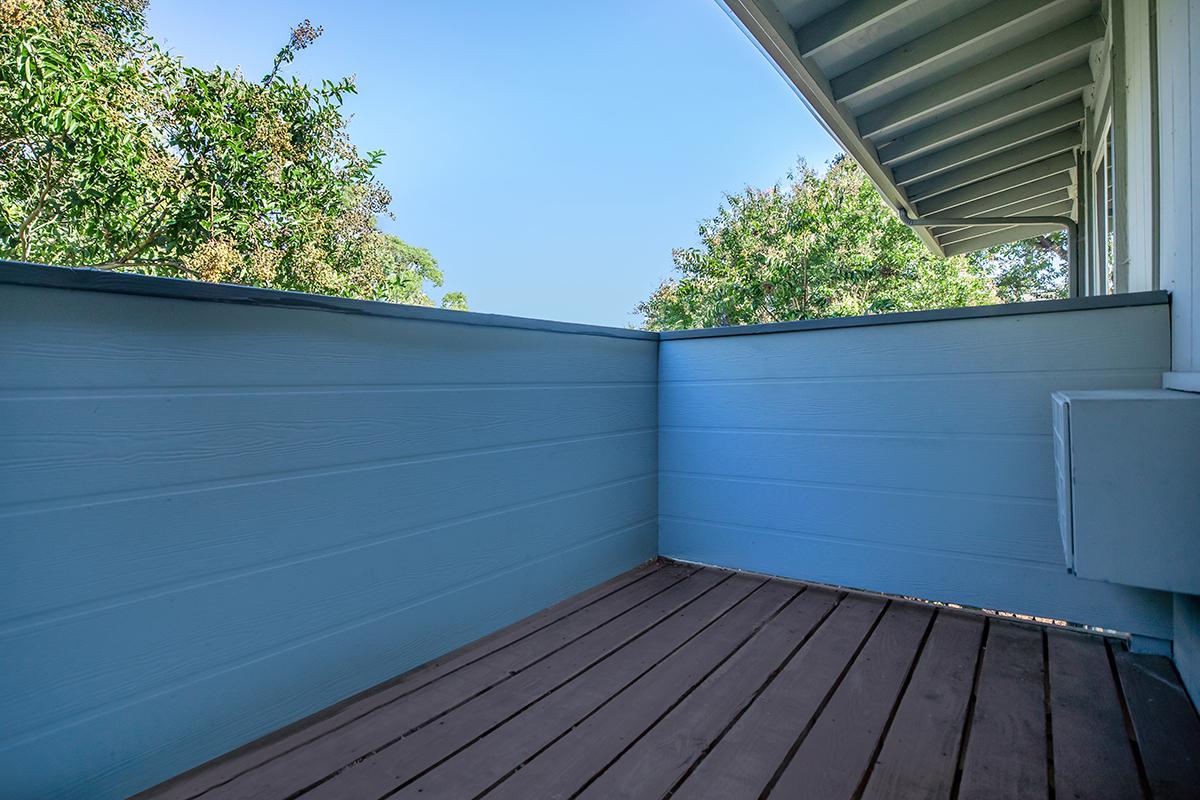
{"points": [[700, 683]]}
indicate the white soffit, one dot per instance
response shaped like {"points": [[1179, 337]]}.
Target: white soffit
{"points": [[955, 108]]}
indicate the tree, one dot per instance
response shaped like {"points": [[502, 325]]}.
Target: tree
{"points": [[1031, 269], [821, 245], [116, 155]]}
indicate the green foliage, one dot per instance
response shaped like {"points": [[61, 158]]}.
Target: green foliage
{"points": [[115, 155], [1032, 269], [822, 245]]}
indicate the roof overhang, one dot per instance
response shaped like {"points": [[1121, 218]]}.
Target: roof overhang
{"points": [[955, 108]]}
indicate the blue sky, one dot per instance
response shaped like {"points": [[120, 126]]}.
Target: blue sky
{"points": [[550, 154]]}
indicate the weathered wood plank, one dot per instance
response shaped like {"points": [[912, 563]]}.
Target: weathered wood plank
{"points": [[666, 752], [398, 762], [730, 687], [461, 673], [1093, 757], [587, 744], [834, 755], [1006, 746], [920, 753], [746, 758], [409, 716], [1165, 723]]}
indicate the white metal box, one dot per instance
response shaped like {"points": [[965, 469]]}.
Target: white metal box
{"points": [[1128, 473]]}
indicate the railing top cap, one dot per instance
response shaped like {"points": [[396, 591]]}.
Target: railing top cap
{"points": [[19, 273]]}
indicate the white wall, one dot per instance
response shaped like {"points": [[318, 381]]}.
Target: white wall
{"points": [[1179, 180]]}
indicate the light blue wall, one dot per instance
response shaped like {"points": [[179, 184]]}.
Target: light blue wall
{"points": [[914, 459], [217, 518], [222, 513], [1187, 642]]}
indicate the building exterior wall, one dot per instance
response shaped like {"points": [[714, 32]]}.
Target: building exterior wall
{"points": [[913, 459], [1136, 119], [219, 518], [1178, 43], [1187, 642]]}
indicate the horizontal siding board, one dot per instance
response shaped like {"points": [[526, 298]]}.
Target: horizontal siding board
{"points": [[982, 583], [62, 448], [125, 650], [163, 343], [1016, 467], [106, 553], [913, 459], [217, 518], [131, 746], [973, 525], [1111, 338], [1003, 405]]}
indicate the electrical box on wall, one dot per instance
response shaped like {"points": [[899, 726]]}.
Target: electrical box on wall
{"points": [[1128, 472]]}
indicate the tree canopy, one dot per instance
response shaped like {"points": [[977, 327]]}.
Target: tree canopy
{"points": [[116, 155], [826, 245]]}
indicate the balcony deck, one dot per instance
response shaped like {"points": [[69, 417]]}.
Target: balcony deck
{"points": [[703, 683]]}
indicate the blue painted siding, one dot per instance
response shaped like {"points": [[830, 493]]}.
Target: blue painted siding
{"points": [[223, 509], [217, 518], [912, 459], [1187, 642]]}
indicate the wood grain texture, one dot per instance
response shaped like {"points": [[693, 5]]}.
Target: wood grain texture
{"points": [[588, 682], [582, 746], [1006, 748], [453, 711], [468, 668], [665, 753], [693, 682], [745, 760], [1164, 722], [920, 754], [914, 459], [833, 757], [1093, 756], [219, 518]]}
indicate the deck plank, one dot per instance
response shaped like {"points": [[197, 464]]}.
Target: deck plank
{"points": [[693, 682], [406, 759], [1006, 749], [920, 755], [665, 754], [1093, 757], [472, 666], [1165, 723], [584, 639], [591, 740], [744, 761], [654, 762], [833, 758]]}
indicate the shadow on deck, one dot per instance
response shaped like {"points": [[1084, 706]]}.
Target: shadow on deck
{"points": [[702, 683]]}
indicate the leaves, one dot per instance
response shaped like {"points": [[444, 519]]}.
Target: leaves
{"points": [[1033, 269], [820, 245], [114, 154]]}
